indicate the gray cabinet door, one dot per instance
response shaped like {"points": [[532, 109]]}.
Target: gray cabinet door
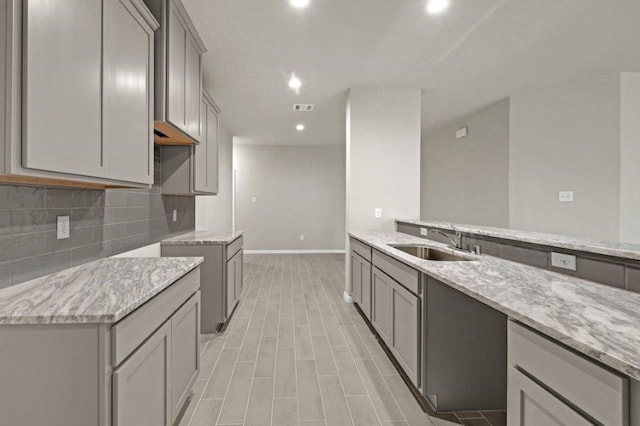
{"points": [[141, 384], [230, 293], [529, 404], [356, 278], [239, 278], [176, 83], [127, 99], [62, 69], [212, 151], [406, 331], [206, 152], [382, 305], [185, 352], [193, 87], [365, 276], [200, 154]]}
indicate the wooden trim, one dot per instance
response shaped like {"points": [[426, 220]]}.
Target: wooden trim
{"points": [[173, 136], [39, 181]]}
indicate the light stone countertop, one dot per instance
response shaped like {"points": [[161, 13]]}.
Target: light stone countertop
{"points": [[607, 248], [600, 321], [103, 291], [203, 237]]}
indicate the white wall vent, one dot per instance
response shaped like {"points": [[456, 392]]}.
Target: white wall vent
{"points": [[303, 107]]}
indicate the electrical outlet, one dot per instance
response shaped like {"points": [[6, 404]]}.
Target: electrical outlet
{"points": [[175, 215], [563, 261], [377, 213], [424, 232], [565, 196], [63, 230], [254, 199], [301, 237]]}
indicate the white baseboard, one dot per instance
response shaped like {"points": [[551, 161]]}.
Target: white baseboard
{"points": [[347, 298], [293, 251]]}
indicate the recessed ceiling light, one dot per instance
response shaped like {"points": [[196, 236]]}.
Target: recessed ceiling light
{"points": [[299, 3], [300, 127], [295, 83], [436, 6]]}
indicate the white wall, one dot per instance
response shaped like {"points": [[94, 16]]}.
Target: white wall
{"points": [[299, 191], [567, 139], [383, 156], [214, 212], [630, 158], [382, 159], [467, 180]]}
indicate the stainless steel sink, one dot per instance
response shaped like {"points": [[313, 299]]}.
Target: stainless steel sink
{"points": [[429, 253]]}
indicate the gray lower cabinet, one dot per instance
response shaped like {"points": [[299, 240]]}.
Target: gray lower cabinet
{"points": [[222, 276], [79, 96], [185, 358], [382, 305], [549, 384], [141, 384], [138, 371], [361, 283], [234, 281], [532, 405], [396, 316]]}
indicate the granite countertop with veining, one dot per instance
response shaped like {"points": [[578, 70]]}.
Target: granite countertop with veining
{"points": [[607, 248], [203, 237], [103, 291], [600, 321]]}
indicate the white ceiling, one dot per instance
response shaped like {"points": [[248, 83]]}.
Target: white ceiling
{"points": [[475, 53]]}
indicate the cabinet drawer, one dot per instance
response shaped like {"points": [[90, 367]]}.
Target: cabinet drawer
{"points": [[361, 248], [598, 391], [234, 246], [405, 275], [530, 404], [131, 331]]}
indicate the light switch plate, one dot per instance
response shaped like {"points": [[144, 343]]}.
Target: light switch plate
{"points": [[424, 232], [63, 230], [462, 132], [377, 213], [565, 196], [563, 261]]}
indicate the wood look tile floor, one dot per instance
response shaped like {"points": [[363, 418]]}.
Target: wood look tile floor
{"points": [[295, 353]]}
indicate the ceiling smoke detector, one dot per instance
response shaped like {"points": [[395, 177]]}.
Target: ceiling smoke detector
{"points": [[303, 107]]}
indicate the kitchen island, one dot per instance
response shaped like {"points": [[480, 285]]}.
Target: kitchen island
{"points": [[601, 324], [113, 341]]}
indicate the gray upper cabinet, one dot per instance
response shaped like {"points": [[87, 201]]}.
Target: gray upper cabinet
{"points": [[206, 153], [128, 96], [193, 170], [62, 64], [178, 61], [78, 92]]}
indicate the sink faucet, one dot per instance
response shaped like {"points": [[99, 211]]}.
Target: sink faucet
{"points": [[456, 240]]}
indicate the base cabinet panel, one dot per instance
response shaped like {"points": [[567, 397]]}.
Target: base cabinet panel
{"points": [[231, 285], [365, 274], [356, 278], [382, 307], [141, 384], [529, 404], [406, 331], [239, 284], [185, 352]]}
